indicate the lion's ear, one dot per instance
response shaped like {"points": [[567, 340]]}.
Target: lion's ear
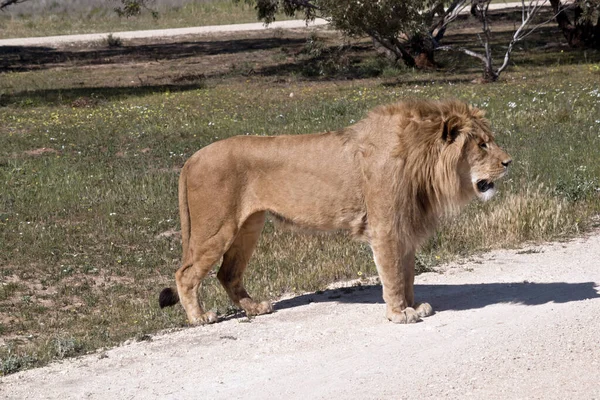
{"points": [[451, 129]]}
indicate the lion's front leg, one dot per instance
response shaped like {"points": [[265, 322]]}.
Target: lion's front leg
{"points": [[396, 270], [408, 264]]}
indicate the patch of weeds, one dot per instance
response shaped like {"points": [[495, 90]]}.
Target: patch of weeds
{"points": [[84, 102], [11, 362], [89, 269], [425, 262], [143, 337], [196, 78], [90, 299], [314, 46], [282, 55], [579, 186], [8, 289], [244, 68], [67, 270], [278, 33], [113, 41], [379, 66], [4, 217], [63, 347], [340, 108], [530, 251], [563, 115], [323, 60]]}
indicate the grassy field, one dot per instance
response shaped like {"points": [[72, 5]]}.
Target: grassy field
{"points": [[47, 18], [91, 140]]}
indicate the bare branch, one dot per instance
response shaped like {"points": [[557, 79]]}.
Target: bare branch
{"points": [[529, 9], [6, 3], [463, 50], [454, 9], [551, 19], [528, 13]]}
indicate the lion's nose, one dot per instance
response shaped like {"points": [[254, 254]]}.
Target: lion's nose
{"points": [[506, 163]]}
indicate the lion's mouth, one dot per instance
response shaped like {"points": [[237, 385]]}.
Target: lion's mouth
{"points": [[484, 185]]}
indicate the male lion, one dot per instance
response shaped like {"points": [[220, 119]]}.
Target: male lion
{"points": [[386, 179]]}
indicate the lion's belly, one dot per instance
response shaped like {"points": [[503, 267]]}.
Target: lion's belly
{"points": [[309, 180], [317, 205]]}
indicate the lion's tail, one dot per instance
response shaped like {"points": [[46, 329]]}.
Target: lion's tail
{"points": [[184, 212], [169, 297]]}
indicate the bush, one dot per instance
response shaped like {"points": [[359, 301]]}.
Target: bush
{"points": [[113, 41]]}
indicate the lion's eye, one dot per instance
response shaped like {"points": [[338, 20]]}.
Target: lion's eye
{"points": [[483, 145]]}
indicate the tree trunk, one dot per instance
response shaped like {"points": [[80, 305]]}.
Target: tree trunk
{"points": [[393, 51], [425, 60], [423, 48], [489, 75], [417, 54]]}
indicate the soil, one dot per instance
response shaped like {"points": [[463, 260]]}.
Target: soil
{"points": [[508, 324]]}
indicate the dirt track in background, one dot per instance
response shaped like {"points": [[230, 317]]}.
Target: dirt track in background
{"points": [[509, 324], [197, 30]]}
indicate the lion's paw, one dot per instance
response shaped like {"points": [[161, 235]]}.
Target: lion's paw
{"points": [[266, 307], [423, 310], [406, 316], [206, 318], [253, 308]]}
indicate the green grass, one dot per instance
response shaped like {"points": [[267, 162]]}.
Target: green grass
{"points": [[100, 18], [85, 229]]}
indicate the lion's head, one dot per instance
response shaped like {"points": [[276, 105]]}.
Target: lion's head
{"points": [[445, 152], [481, 162]]}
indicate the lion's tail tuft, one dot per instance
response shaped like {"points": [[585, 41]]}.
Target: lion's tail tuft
{"points": [[167, 298]]}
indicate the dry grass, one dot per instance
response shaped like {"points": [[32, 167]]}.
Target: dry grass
{"points": [[532, 213]]}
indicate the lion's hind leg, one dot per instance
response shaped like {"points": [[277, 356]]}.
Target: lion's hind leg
{"points": [[188, 279], [234, 264], [203, 254]]}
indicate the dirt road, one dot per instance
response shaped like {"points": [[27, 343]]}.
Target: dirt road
{"points": [[509, 324], [158, 33], [197, 30]]}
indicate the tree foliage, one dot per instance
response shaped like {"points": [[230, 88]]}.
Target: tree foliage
{"points": [[579, 22], [405, 30], [6, 3]]}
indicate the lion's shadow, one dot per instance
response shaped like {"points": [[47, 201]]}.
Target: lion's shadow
{"points": [[460, 297]]}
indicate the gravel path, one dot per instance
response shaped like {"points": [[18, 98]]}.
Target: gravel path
{"points": [[509, 325]]}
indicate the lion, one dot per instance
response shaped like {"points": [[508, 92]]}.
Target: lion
{"points": [[386, 180]]}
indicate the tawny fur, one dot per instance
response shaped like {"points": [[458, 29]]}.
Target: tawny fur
{"points": [[387, 180]]}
